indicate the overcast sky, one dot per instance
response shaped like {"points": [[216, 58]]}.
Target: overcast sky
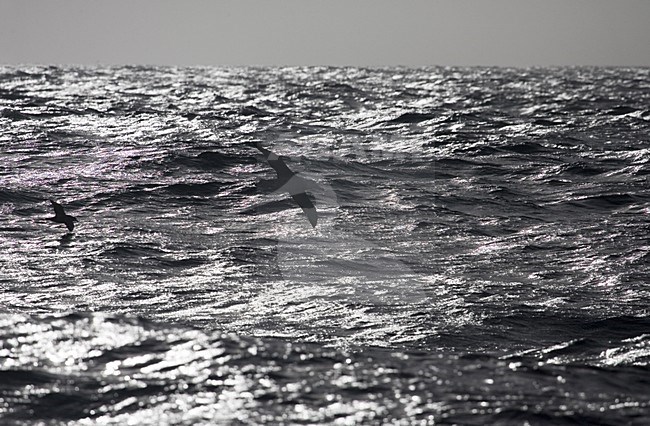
{"points": [[333, 32]]}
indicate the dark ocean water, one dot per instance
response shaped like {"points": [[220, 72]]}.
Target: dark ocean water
{"points": [[481, 254]]}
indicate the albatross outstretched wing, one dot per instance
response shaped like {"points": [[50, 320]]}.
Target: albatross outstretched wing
{"points": [[58, 209], [280, 167], [307, 206]]}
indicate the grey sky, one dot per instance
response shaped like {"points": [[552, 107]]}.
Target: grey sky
{"points": [[333, 32]]}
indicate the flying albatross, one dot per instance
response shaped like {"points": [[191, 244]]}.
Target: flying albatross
{"points": [[61, 217], [295, 185]]}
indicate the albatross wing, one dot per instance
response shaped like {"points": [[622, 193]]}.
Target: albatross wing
{"points": [[280, 167], [307, 206], [58, 209]]}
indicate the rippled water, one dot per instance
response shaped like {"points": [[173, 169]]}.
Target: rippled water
{"points": [[481, 253]]}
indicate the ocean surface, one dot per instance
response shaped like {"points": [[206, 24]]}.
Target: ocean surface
{"points": [[481, 254]]}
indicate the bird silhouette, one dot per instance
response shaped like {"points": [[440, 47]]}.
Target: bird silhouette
{"points": [[295, 185], [339, 278], [61, 217]]}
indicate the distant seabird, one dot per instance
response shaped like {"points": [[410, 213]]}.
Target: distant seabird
{"points": [[295, 185], [61, 217]]}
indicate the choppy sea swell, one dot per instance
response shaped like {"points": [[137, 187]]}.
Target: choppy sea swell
{"points": [[481, 254]]}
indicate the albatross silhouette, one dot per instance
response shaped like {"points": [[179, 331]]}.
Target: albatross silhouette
{"points": [[61, 217], [295, 185]]}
